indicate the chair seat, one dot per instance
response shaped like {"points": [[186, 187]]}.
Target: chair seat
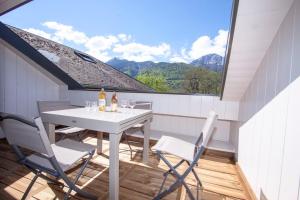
{"points": [[135, 130], [177, 147], [69, 130], [67, 152]]}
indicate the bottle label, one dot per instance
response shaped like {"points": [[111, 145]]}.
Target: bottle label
{"points": [[102, 104]]}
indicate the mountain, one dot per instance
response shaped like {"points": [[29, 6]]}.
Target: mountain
{"points": [[175, 77], [131, 68], [212, 62]]}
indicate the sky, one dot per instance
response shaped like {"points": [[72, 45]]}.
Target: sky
{"points": [[138, 30]]}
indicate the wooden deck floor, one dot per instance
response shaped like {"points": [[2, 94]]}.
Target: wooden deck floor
{"points": [[137, 181]]}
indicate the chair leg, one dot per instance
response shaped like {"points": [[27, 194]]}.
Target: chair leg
{"points": [[175, 166], [78, 175], [63, 136], [81, 134], [171, 189], [196, 176], [127, 141], [189, 192], [29, 187], [180, 179], [163, 183]]}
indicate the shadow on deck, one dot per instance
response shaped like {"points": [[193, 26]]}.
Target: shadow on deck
{"points": [[217, 172]]}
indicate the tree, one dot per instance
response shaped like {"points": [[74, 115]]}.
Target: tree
{"points": [[155, 80], [202, 81]]}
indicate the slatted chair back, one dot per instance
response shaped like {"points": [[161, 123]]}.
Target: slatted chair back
{"points": [[22, 132], [44, 106], [146, 105], [206, 133]]}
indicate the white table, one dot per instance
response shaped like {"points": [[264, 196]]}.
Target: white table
{"points": [[113, 123]]}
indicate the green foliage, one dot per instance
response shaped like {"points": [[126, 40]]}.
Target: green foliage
{"points": [[155, 80], [202, 81], [181, 79]]}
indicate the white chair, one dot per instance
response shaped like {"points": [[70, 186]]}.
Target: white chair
{"points": [[44, 106], [188, 152], [53, 159], [138, 129]]}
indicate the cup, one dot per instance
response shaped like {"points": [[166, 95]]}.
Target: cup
{"points": [[94, 106], [88, 105]]}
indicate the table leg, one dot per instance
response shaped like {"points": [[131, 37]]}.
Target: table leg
{"points": [[99, 142], [114, 140], [146, 141], [50, 129]]}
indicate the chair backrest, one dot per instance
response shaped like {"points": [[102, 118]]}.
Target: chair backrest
{"points": [[146, 105], [208, 127], [44, 106], [25, 133]]}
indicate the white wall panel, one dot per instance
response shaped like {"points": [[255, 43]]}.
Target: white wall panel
{"points": [[178, 105], [271, 70], [23, 85], [269, 146], [265, 147], [176, 114], [269, 143], [10, 95], [279, 108], [296, 43], [285, 51], [290, 175]]}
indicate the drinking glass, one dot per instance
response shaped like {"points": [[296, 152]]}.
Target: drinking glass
{"points": [[131, 104], [88, 105], [94, 106], [124, 103]]}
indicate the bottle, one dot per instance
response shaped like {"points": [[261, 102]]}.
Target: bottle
{"points": [[114, 102], [102, 101]]}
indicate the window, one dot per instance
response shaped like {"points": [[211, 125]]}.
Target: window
{"points": [[85, 57]]}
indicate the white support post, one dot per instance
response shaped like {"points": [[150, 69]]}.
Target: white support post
{"points": [[114, 140], [99, 142], [146, 141]]}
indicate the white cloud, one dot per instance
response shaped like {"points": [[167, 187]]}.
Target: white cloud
{"points": [[141, 52], [177, 59], [65, 32], [206, 45], [101, 43], [101, 55], [38, 32], [124, 38], [123, 45]]}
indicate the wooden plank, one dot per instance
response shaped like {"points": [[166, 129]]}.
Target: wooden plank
{"points": [[220, 179]]}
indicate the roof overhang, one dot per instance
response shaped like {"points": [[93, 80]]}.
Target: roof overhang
{"points": [[9, 5], [32, 54], [256, 24]]}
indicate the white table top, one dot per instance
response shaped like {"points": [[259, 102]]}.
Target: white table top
{"points": [[95, 120]]}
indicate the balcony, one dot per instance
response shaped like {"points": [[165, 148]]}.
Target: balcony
{"points": [[220, 177], [254, 149]]}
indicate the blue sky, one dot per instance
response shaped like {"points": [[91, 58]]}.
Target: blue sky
{"points": [[157, 30]]}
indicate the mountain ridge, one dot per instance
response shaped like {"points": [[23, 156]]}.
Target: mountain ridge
{"points": [[211, 62]]}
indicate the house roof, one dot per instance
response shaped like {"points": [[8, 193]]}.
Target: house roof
{"points": [[9, 5], [77, 69], [257, 23]]}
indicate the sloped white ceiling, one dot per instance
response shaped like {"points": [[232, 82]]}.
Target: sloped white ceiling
{"points": [[257, 23]]}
